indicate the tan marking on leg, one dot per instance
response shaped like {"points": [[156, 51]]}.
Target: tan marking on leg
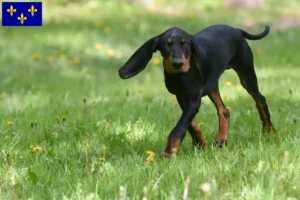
{"points": [[263, 116], [223, 114], [173, 145], [196, 134]]}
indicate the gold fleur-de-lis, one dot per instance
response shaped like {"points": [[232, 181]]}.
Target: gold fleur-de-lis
{"points": [[32, 10], [22, 18], [11, 10]]}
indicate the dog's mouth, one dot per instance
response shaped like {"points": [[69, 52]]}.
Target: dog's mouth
{"points": [[183, 67]]}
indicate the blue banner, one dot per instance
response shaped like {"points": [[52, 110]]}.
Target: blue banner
{"points": [[22, 14]]}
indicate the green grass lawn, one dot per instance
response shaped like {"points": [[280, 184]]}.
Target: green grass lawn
{"points": [[72, 129]]}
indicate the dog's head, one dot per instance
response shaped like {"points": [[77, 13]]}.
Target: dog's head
{"points": [[176, 47]]}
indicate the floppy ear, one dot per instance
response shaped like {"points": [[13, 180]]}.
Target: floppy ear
{"points": [[139, 60], [198, 54]]}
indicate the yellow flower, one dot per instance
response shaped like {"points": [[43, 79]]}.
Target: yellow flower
{"points": [[239, 88], [202, 124], [97, 24], [35, 55], [94, 100], [75, 61], [101, 159], [156, 61], [35, 149], [150, 157], [10, 123], [259, 50], [174, 98], [50, 58], [228, 107], [141, 91], [150, 152], [111, 53], [98, 46], [107, 29], [191, 15], [228, 83], [62, 57]]}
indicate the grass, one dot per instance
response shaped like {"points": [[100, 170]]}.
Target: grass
{"points": [[80, 132]]}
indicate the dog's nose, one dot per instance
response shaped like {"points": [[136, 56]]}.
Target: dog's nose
{"points": [[177, 63]]}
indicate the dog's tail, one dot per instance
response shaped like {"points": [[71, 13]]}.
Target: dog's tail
{"points": [[256, 37]]}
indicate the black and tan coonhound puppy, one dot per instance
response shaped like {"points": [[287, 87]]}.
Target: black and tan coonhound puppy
{"points": [[193, 65]]}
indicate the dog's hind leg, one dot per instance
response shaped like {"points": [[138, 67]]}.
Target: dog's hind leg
{"points": [[243, 65], [223, 115]]}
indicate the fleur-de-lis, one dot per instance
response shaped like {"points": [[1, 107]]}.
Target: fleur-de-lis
{"points": [[22, 18], [11, 10], [32, 10]]}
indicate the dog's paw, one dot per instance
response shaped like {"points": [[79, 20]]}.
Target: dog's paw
{"points": [[200, 145], [166, 155], [220, 144]]}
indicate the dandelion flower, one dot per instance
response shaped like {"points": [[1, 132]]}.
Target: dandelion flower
{"points": [[98, 46], [191, 16], [228, 107], [76, 60], [202, 124], [239, 88], [228, 83], [101, 159], [35, 55], [156, 61], [150, 157], [111, 53], [107, 29], [62, 57], [174, 98], [35, 149], [141, 91], [97, 24], [205, 187], [10, 123], [50, 58]]}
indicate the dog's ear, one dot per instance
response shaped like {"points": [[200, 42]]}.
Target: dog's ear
{"points": [[198, 54], [139, 60]]}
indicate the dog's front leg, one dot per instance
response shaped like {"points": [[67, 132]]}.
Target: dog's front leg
{"points": [[191, 108]]}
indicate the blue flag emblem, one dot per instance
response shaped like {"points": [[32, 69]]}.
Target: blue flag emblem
{"points": [[22, 14]]}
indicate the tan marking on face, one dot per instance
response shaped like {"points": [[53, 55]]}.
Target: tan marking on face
{"points": [[167, 63], [186, 64], [169, 41], [168, 66], [182, 41]]}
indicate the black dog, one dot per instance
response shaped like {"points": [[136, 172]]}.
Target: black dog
{"points": [[193, 65]]}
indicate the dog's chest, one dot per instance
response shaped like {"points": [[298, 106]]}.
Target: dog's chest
{"points": [[182, 83]]}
